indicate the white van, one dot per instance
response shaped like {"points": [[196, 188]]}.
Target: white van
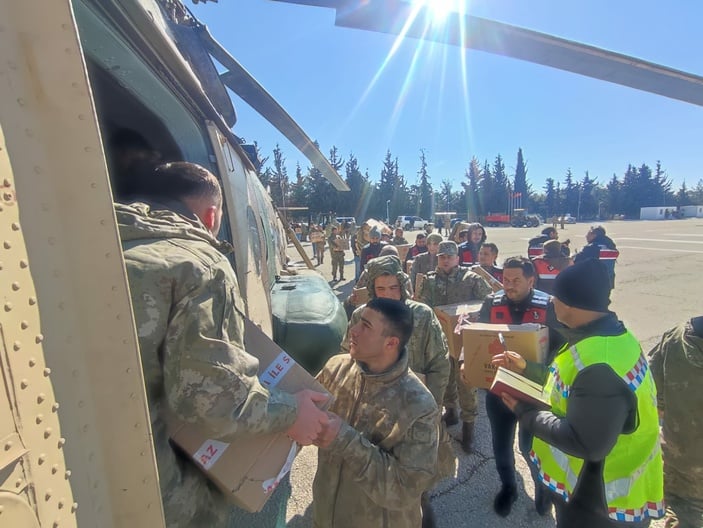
{"points": [[410, 222]]}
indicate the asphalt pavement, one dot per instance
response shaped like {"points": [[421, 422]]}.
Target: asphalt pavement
{"points": [[657, 286]]}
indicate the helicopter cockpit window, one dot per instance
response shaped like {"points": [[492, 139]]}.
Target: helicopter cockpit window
{"points": [[144, 119]]}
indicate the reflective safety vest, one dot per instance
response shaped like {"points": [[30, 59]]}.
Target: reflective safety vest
{"points": [[545, 270], [535, 251], [546, 273], [415, 251], [535, 313], [466, 256], [608, 257], [633, 470], [496, 273]]}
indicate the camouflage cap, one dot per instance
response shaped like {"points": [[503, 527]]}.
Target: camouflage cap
{"points": [[434, 238], [448, 247]]}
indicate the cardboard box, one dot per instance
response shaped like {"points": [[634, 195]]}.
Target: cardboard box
{"points": [[361, 296], [448, 316], [494, 283], [403, 251], [481, 343], [248, 469]]}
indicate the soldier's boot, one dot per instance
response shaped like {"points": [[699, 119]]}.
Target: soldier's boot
{"points": [[428, 517], [467, 436], [503, 502], [451, 416]]}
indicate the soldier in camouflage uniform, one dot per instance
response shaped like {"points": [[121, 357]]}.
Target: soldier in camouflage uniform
{"points": [[449, 284], [426, 262], [677, 367], [379, 452], [398, 239], [190, 322], [337, 246], [427, 348]]}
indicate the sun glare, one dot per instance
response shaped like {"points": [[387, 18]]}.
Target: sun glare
{"points": [[440, 9]]}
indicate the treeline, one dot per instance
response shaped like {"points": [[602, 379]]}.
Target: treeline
{"points": [[484, 188]]}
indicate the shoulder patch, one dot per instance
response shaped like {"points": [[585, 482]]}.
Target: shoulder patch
{"points": [[539, 298]]}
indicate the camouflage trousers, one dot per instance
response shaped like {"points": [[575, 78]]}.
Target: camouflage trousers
{"points": [[682, 513], [458, 390], [337, 263], [683, 494], [319, 249]]}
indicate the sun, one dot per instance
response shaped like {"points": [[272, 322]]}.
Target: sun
{"points": [[440, 9]]}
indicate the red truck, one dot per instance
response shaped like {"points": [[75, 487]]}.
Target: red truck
{"points": [[519, 218]]}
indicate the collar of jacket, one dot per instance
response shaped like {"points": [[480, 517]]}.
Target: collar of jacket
{"points": [[398, 369], [164, 220], [608, 325], [452, 273]]}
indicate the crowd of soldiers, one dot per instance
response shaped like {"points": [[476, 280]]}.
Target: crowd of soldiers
{"points": [[435, 271], [382, 442]]}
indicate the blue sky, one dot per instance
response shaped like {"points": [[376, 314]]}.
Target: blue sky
{"points": [[345, 91]]}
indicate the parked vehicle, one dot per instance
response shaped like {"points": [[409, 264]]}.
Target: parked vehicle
{"points": [[519, 218], [411, 222], [568, 219], [341, 220]]}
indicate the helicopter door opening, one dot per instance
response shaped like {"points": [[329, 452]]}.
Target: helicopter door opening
{"points": [[145, 116]]}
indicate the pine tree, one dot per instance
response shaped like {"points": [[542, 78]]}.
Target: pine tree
{"points": [[425, 207], [550, 198], [520, 181], [299, 190], [696, 194], [612, 197], [682, 197], [357, 200], [323, 195], [571, 194], [588, 201], [471, 191], [500, 200], [445, 195], [279, 181]]}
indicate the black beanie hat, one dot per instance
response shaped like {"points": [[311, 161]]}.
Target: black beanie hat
{"points": [[585, 285]]}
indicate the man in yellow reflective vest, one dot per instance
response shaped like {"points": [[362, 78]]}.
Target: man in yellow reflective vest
{"points": [[597, 449]]}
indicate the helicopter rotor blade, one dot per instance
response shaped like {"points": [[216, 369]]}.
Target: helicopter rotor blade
{"points": [[391, 16], [241, 82]]}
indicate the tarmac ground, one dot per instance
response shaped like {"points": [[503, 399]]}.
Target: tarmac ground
{"points": [[657, 286]]}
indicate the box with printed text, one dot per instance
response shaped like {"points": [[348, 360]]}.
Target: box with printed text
{"points": [[480, 341], [403, 251], [248, 469], [448, 316]]}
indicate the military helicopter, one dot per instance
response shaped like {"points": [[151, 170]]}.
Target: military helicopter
{"points": [[75, 440]]}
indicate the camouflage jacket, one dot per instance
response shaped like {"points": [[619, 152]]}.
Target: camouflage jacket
{"points": [[459, 285], [423, 263], [336, 243], [427, 348], [677, 367], [385, 455], [190, 324]]}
